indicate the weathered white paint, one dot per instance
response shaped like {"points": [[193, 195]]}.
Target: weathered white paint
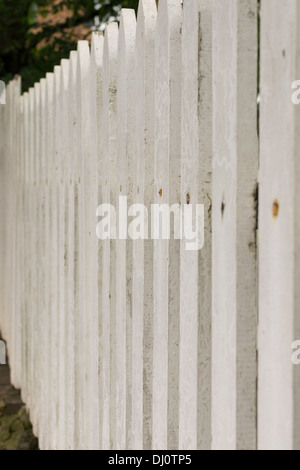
{"points": [[125, 115], [90, 196], [31, 306], [143, 173], [166, 253], [108, 298], [279, 230], [123, 344], [63, 255], [189, 259], [26, 237], [96, 89], [16, 299], [205, 255], [36, 260], [55, 205], [80, 315], [71, 231], [235, 162], [43, 287], [48, 242], [91, 180]]}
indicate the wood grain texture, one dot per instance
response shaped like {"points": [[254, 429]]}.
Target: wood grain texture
{"points": [[108, 302], [143, 164], [125, 133], [235, 163], [166, 252], [278, 385]]}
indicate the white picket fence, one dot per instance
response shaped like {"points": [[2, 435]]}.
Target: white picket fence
{"points": [[127, 344]]}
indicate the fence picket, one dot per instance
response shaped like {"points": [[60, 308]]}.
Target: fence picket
{"points": [[235, 163], [125, 111], [143, 172], [83, 64], [36, 261], [71, 230], [48, 243], [31, 307], [166, 252], [25, 325], [97, 86], [205, 255], [279, 378], [43, 312], [108, 305], [62, 253], [189, 259]]}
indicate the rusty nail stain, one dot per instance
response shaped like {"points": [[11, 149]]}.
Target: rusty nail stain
{"points": [[160, 192], [275, 208], [121, 188], [223, 209], [188, 198]]}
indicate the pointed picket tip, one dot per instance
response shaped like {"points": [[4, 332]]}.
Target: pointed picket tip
{"points": [[37, 94], [50, 83], [37, 87], [57, 74], [43, 83], [169, 15], [145, 29], [97, 48], [65, 69], [57, 71], [73, 54], [147, 10], [31, 96], [73, 66], [127, 34], [49, 76], [83, 47], [17, 82], [83, 56], [73, 62], [73, 71], [110, 49], [127, 22], [111, 37]]}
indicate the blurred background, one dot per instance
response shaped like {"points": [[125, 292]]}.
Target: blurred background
{"points": [[36, 35]]}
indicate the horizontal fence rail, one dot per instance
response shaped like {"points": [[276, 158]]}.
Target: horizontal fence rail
{"points": [[145, 341]]}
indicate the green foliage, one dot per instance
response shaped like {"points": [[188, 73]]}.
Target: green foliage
{"points": [[31, 45]]}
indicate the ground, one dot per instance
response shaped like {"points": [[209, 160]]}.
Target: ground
{"points": [[15, 427]]}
